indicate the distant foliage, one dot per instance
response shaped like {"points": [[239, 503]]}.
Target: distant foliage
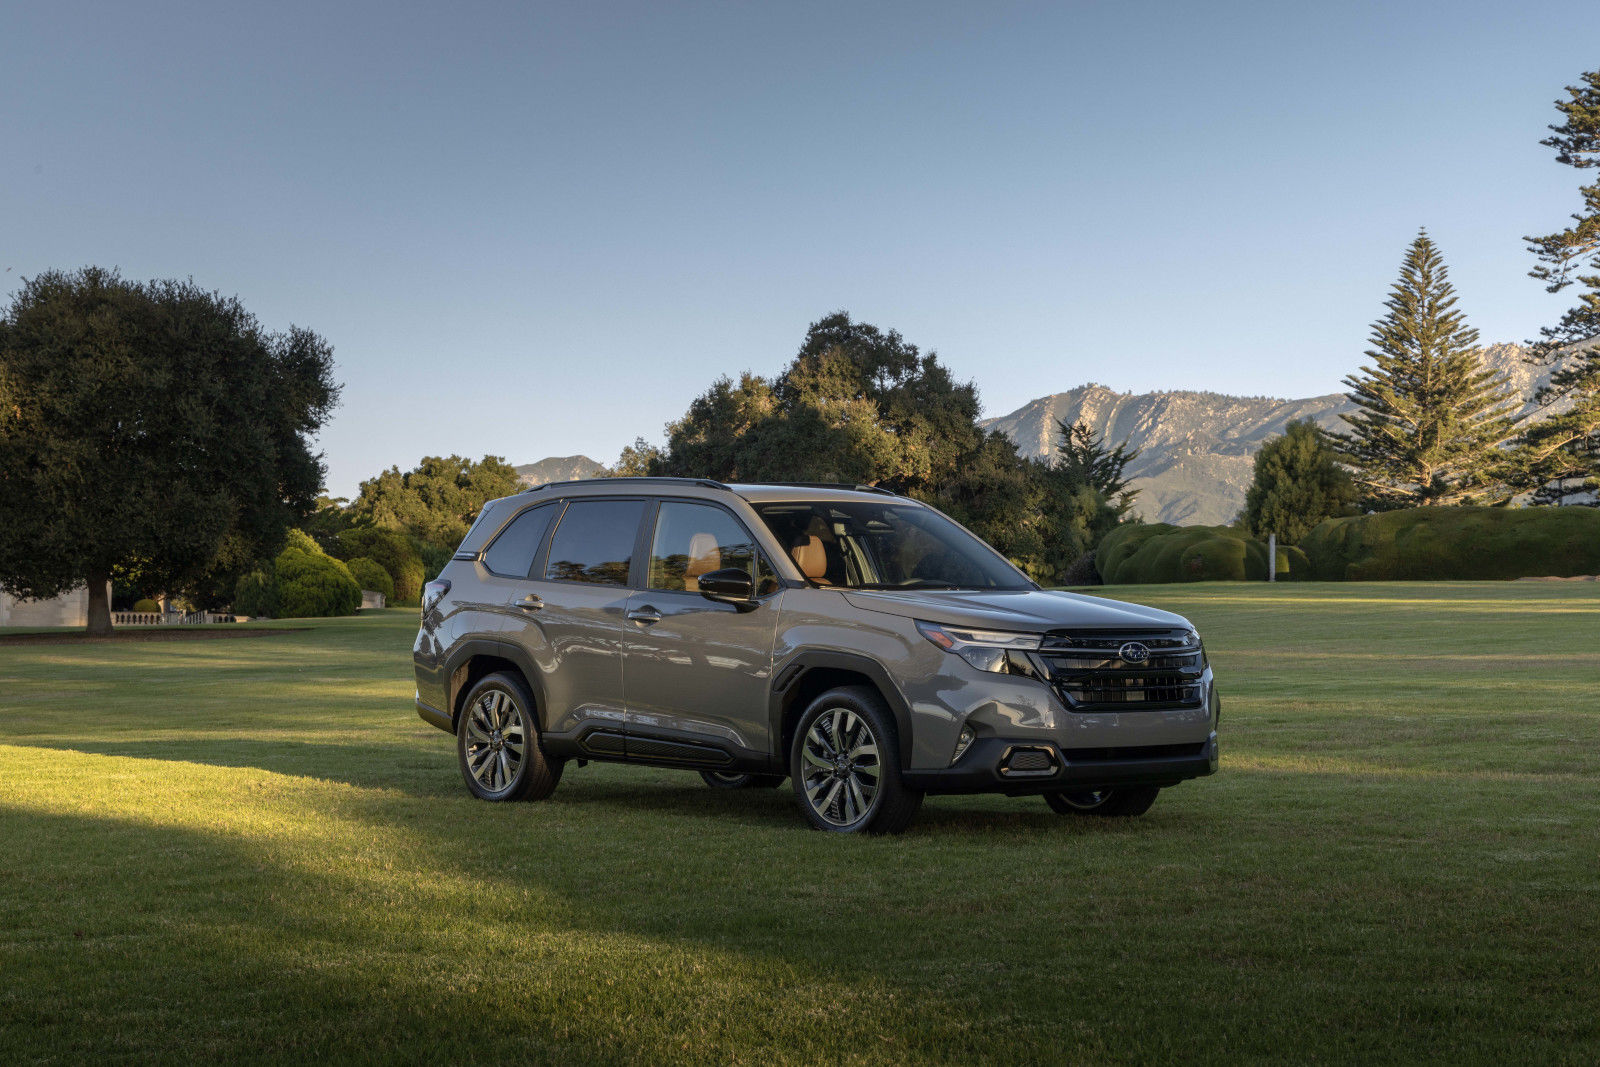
{"points": [[1146, 553], [1456, 544], [255, 595], [146, 606], [436, 502], [369, 575], [1298, 482], [1563, 449], [862, 405], [391, 550], [1086, 461], [1082, 572], [1430, 421], [310, 583]]}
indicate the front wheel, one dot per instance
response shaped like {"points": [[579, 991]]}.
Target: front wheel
{"points": [[845, 765], [734, 780], [497, 743], [1129, 800]]}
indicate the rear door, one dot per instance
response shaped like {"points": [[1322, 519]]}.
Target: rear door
{"points": [[569, 616], [698, 671]]}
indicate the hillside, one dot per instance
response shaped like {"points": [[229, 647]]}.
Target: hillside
{"points": [[558, 469], [1197, 450]]}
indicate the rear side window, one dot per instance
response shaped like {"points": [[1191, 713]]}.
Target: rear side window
{"points": [[594, 542], [511, 554]]}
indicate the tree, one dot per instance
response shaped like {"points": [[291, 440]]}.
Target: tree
{"points": [[1562, 449], [1430, 420], [1298, 482], [151, 432], [862, 405], [637, 460], [438, 501], [1083, 457]]}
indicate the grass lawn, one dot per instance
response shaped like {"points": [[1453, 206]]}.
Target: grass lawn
{"points": [[254, 849]]}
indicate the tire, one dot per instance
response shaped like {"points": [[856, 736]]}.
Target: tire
{"points": [[734, 780], [497, 743], [854, 787], [1112, 803]]}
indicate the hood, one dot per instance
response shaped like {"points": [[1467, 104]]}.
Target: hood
{"points": [[1020, 609]]}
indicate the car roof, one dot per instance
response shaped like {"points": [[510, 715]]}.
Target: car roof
{"points": [[754, 492]]}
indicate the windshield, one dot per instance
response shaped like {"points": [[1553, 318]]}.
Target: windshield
{"points": [[886, 546]]}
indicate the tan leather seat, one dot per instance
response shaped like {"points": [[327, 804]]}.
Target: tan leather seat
{"points": [[810, 554], [704, 557]]}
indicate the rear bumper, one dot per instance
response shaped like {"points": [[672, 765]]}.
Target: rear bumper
{"points": [[986, 767]]}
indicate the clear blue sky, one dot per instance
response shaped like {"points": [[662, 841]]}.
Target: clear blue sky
{"points": [[542, 229]]}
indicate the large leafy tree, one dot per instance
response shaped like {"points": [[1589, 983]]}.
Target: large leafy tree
{"points": [[438, 500], [1082, 456], [1563, 448], [862, 405], [151, 432], [1298, 482], [1430, 421]]}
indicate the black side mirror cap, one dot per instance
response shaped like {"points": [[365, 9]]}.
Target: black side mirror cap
{"points": [[730, 583]]}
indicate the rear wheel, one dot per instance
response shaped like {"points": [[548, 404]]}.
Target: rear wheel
{"points": [[845, 765], [733, 780], [1128, 800], [497, 743]]}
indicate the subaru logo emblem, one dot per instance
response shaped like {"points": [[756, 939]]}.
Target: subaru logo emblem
{"points": [[1133, 652]]}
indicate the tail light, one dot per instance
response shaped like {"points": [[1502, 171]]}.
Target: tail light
{"points": [[433, 592]]}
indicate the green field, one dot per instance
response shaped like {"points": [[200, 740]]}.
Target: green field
{"points": [[254, 849]]}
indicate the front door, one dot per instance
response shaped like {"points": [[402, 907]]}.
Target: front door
{"points": [[698, 671], [568, 618]]}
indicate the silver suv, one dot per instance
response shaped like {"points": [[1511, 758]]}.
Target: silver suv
{"points": [[859, 643]]}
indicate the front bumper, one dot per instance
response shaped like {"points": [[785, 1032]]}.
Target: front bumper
{"points": [[987, 767]]}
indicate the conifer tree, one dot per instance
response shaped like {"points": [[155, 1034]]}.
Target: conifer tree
{"points": [[1430, 421], [1085, 461], [1298, 482], [1562, 450]]}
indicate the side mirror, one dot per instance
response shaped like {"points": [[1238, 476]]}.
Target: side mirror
{"points": [[730, 583]]}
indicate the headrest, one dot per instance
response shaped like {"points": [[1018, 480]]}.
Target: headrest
{"points": [[704, 557], [811, 556]]}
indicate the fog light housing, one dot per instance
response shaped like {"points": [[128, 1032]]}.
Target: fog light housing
{"points": [[962, 743]]}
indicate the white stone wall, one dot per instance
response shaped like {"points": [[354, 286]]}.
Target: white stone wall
{"points": [[69, 609]]}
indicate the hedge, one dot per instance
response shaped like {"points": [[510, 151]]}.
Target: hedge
{"points": [[389, 549], [1148, 553], [369, 575], [1456, 544], [302, 582]]}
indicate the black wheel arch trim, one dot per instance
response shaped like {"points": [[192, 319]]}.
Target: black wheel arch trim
{"points": [[482, 646], [796, 667]]}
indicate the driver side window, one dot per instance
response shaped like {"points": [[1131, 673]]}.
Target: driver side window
{"points": [[695, 539]]}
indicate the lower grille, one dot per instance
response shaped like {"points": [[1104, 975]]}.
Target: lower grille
{"points": [[1126, 670]]}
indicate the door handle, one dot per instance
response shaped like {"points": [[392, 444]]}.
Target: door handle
{"points": [[531, 602], [647, 615]]}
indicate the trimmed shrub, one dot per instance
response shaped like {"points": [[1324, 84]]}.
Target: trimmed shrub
{"points": [[147, 606], [1456, 544], [369, 575], [391, 550], [1148, 553], [256, 595], [313, 584]]}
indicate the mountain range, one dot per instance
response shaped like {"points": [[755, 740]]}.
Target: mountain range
{"points": [[1196, 449]]}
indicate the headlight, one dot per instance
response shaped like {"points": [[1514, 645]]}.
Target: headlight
{"points": [[987, 650]]}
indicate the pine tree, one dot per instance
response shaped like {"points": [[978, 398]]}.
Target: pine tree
{"points": [[1298, 482], [1562, 450], [1430, 420], [1084, 460]]}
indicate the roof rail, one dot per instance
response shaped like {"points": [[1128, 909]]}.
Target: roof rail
{"points": [[853, 486], [704, 482]]}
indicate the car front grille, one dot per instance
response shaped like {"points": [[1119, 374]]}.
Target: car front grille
{"points": [[1102, 669]]}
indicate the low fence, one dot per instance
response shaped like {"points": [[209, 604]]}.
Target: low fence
{"points": [[168, 618]]}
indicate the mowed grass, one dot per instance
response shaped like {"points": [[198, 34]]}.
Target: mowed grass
{"points": [[253, 849]]}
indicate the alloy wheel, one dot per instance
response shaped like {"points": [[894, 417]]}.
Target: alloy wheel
{"points": [[1086, 800], [841, 767], [497, 739]]}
